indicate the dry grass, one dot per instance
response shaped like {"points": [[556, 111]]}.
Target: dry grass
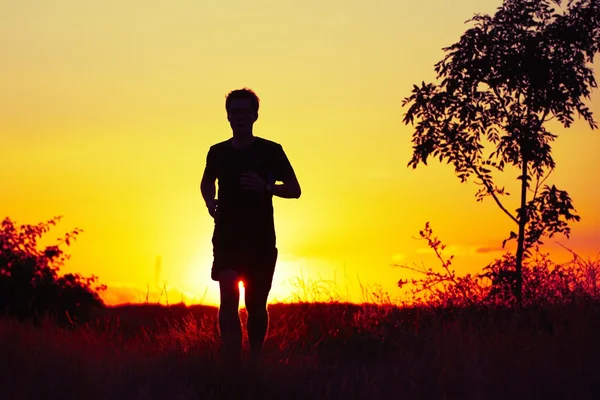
{"points": [[326, 350], [314, 351]]}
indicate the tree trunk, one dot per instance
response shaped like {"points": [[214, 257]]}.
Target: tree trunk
{"points": [[521, 238]]}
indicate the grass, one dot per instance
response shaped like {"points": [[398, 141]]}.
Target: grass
{"points": [[313, 351], [454, 341]]}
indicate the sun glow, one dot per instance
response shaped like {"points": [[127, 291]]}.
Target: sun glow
{"points": [[289, 273], [196, 279], [110, 128]]}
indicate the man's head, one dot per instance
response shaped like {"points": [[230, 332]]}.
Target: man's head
{"points": [[242, 109]]}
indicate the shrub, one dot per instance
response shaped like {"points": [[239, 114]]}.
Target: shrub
{"points": [[30, 284], [545, 282]]}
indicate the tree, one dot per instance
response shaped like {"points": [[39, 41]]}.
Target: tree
{"points": [[497, 89], [30, 285]]}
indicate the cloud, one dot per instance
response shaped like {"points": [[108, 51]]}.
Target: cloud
{"points": [[489, 249], [424, 250], [124, 294], [398, 257], [464, 250]]}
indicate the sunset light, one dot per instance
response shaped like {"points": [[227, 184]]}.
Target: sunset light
{"points": [[108, 110], [317, 199]]}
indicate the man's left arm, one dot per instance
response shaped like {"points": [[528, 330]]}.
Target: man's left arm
{"points": [[290, 187]]}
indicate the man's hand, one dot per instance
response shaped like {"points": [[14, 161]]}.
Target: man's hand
{"points": [[253, 182], [213, 208]]}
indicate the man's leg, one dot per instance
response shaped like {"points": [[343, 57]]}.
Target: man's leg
{"points": [[229, 319], [256, 293]]}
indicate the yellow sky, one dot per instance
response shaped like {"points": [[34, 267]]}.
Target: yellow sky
{"points": [[108, 109]]}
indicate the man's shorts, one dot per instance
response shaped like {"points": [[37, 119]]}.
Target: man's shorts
{"points": [[252, 263]]}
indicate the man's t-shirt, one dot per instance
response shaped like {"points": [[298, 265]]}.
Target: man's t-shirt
{"points": [[246, 217]]}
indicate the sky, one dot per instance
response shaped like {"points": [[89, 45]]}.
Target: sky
{"points": [[108, 108]]}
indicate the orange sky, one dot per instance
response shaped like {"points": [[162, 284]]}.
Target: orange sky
{"points": [[108, 109]]}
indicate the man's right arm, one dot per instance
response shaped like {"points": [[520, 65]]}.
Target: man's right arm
{"points": [[207, 185]]}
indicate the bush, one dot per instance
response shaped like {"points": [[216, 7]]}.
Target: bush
{"points": [[545, 282], [30, 284]]}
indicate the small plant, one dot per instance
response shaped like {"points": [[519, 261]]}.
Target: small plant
{"points": [[544, 282], [30, 284]]}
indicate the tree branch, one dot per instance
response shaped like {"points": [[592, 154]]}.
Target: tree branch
{"points": [[491, 190], [495, 197]]}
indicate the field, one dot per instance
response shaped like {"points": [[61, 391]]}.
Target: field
{"points": [[313, 351]]}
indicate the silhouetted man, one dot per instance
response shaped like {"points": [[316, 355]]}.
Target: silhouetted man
{"points": [[247, 168]]}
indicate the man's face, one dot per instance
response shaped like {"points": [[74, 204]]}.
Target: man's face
{"points": [[241, 115]]}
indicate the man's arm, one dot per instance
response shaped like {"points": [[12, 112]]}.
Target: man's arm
{"points": [[207, 185], [289, 189], [208, 188], [284, 172]]}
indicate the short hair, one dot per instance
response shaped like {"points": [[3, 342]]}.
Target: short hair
{"points": [[244, 93]]}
